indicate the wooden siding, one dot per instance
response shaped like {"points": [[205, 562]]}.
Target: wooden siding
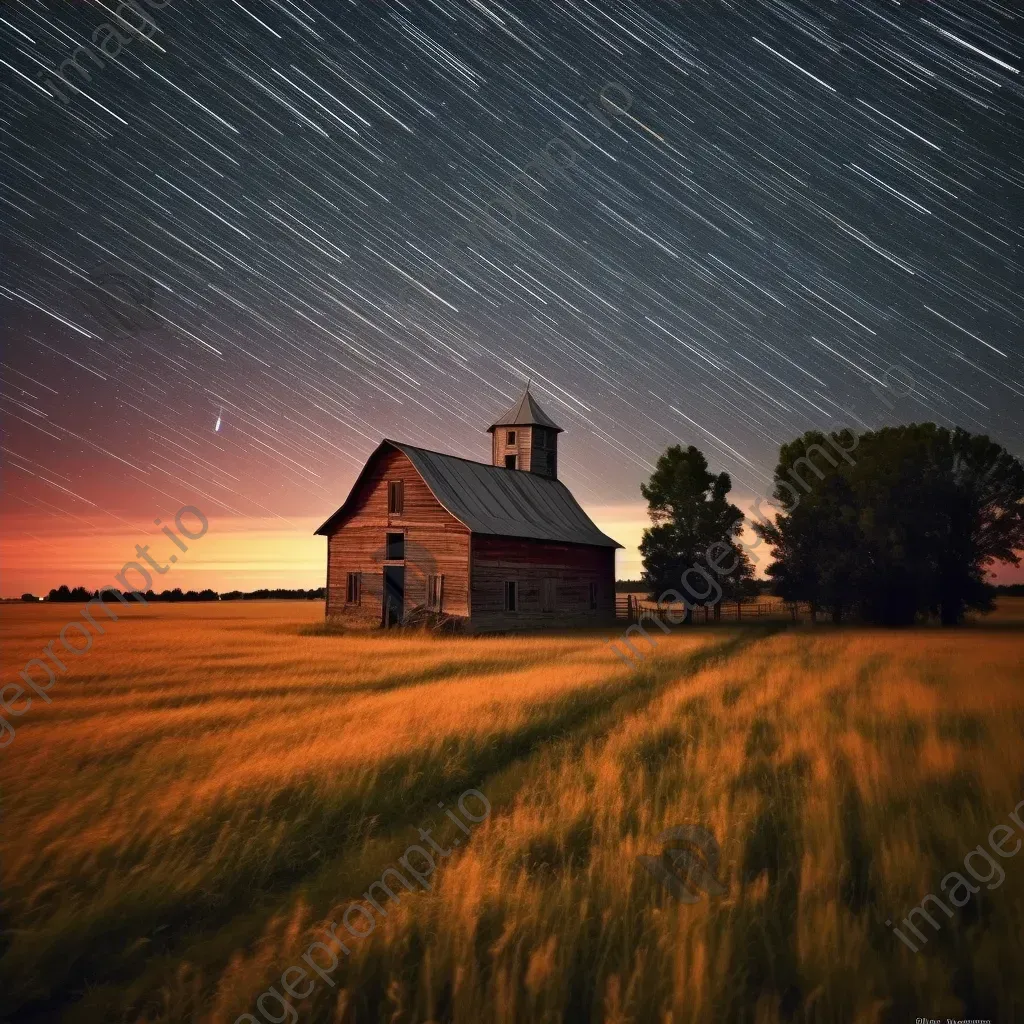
{"points": [[525, 451], [573, 567], [435, 543]]}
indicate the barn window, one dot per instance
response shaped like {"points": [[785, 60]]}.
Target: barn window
{"points": [[511, 596], [539, 437], [593, 596], [547, 595], [396, 497], [435, 593], [510, 438], [352, 593], [395, 547], [510, 462]]}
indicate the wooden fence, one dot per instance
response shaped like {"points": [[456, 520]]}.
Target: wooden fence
{"points": [[633, 607]]}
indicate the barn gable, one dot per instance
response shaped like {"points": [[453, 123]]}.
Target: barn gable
{"points": [[367, 500], [360, 554], [489, 499]]}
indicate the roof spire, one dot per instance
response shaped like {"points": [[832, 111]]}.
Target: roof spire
{"points": [[525, 413]]}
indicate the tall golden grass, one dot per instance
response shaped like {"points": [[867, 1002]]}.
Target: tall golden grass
{"points": [[211, 783]]}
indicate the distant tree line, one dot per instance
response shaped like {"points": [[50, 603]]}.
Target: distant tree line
{"points": [[319, 594], [66, 594], [628, 586]]}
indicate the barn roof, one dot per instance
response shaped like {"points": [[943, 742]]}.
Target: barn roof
{"points": [[494, 500], [525, 413]]}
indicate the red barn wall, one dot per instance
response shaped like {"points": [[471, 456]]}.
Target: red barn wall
{"points": [[572, 566], [435, 543]]}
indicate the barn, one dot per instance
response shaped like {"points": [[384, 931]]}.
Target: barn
{"points": [[498, 546]]}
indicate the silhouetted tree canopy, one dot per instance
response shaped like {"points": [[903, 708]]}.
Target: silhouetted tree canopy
{"points": [[693, 537], [64, 593], [897, 524]]}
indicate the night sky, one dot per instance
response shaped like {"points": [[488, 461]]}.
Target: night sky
{"points": [[320, 224]]}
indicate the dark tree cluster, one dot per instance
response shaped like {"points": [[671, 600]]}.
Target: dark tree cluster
{"points": [[65, 594], [904, 530]]}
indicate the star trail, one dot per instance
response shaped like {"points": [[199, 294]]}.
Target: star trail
{"points": [[706, 223]]}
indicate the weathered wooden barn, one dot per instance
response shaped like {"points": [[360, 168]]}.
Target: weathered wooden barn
{"points": [[503, 546]]}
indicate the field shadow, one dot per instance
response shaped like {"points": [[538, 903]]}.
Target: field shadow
{"points": [[765, 957]]}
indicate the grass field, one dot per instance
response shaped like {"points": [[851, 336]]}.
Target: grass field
{"points": [[213, 783]]}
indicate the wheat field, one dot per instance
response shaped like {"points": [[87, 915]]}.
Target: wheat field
{"points": [[213, 785]]}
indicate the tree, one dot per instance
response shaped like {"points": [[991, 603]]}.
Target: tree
{"points": [[906, 530], [739, 584], [689, 515], [945, 506], [815, 537], [29, 597]]}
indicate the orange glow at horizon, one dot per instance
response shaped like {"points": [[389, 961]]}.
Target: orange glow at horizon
{"points": [[234, 554], [238, 553]]}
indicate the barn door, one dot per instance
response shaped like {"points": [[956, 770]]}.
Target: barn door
{"points": [[394, 595]]}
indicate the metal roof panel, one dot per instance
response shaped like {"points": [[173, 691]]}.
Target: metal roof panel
{"points": [[505, 502]]}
